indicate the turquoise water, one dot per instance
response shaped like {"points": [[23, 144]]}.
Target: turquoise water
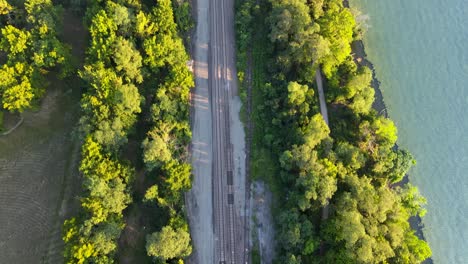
{"points": [[420, 51]]}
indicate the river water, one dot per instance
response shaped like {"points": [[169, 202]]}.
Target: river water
{"points": [[420, 51]]}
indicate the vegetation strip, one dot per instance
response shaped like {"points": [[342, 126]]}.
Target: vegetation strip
{"points": [[354, 166], [135, 55]]}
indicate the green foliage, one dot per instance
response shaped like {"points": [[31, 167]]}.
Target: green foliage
{"points": [[296, 35], [379, 132], [317, 8], [371, 225], [337, 26], [14, 40], [296, 231], [151, 194], [412, 200], [156, 150], [402, 163], [109, 108], [93, 238], [357, 94], [182, 14], [5, 7], [32, 49], [169, 244], [165, 147], [299, 96], [126, 46], [113, 69], [16, 88], [127, 60], [103, 34], [316, 131]]}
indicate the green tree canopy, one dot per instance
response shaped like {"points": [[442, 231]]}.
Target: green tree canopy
{"points": [[169, 244], [14, 41], [336, 25], [128, 60]]}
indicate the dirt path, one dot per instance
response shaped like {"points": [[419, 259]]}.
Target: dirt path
{"points": [[9, 131], [324, 112], [263, 232], [323, 103], [199, 200]]}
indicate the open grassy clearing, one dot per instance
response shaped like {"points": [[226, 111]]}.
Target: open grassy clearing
{"points": [[38, 174]]}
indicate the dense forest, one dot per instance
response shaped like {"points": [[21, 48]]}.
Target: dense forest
{"points": [[352, 165], [135, 72]]}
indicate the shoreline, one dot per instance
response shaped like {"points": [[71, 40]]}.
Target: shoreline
{"points": [[358, 49], [360, 57]]}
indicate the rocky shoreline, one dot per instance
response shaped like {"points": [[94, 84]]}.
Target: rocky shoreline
{"points": [[360, 57]]}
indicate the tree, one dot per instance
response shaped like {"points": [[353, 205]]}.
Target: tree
{"points": [[14, 41], [163, 15], [164, 51], [144, 25], [16, 89], [295, 35], [105, 236], [371, 224], [169, 244], [362, 102], [413, 250], [48, 50], [31, 51], [156, 150], [358, 93], [103, 34], [110, 107], [350, 155], [5, 7], [297, 95], [317, 8], [43, 12], [122, 17], [412, 200], [151, 194], [401, 164], [316, 131], [288, 20], [336, 25], [128, 60], [314, 179], [178, 178], [379, 132], [182, 14], [296, 233], [18, 97]]}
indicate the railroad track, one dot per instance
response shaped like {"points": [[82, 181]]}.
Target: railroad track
{"points": [[229, 225]]}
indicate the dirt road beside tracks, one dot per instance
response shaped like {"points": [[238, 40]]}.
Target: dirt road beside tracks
{"points": [[199, 200]]}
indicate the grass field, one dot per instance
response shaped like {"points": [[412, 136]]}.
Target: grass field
{"points": [[38, 169]]}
